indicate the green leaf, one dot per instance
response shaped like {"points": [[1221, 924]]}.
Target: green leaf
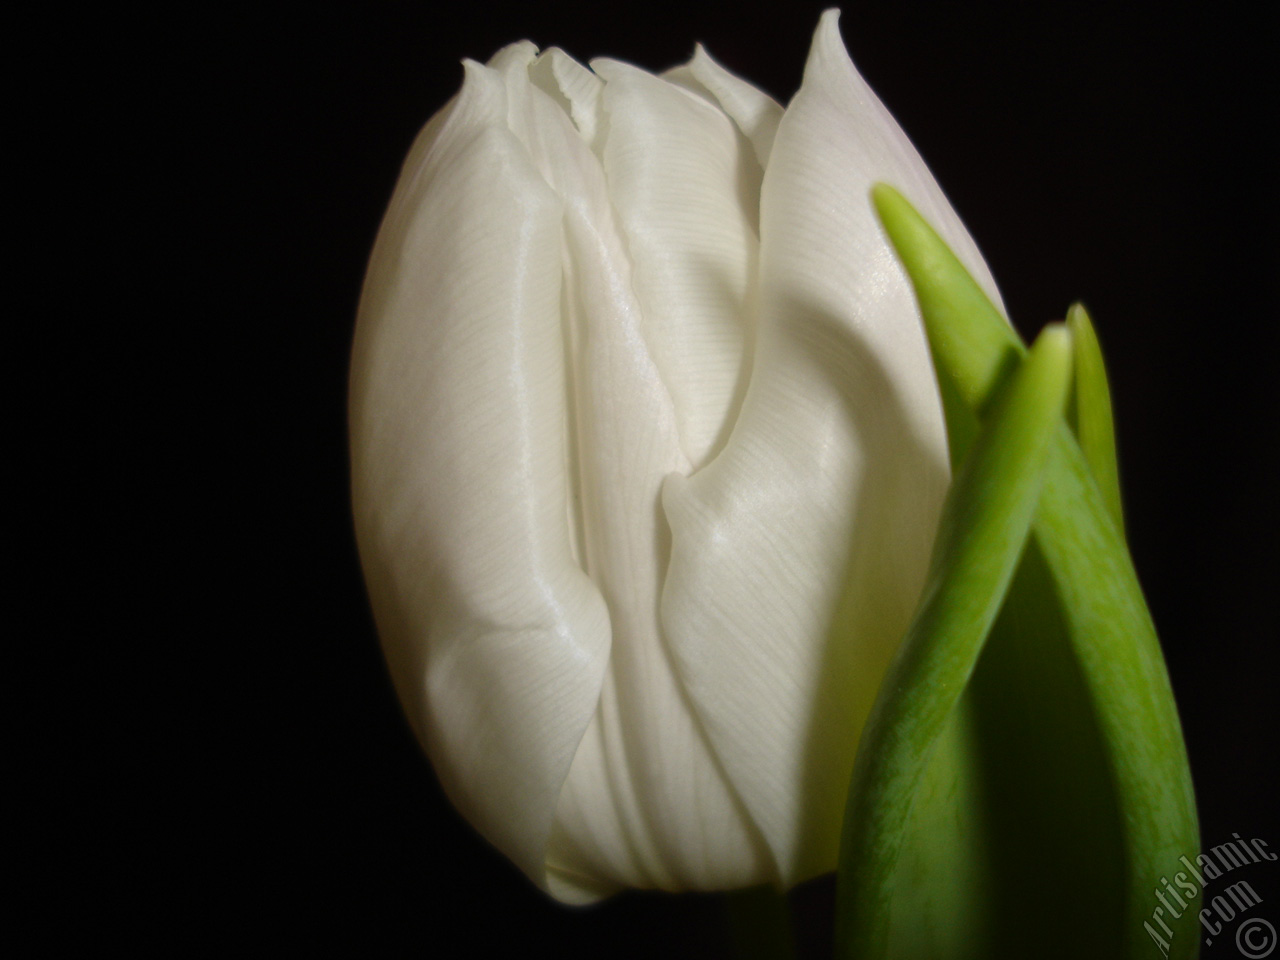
{"points": [[984, 526], [1090, 412], [1055, 793]]}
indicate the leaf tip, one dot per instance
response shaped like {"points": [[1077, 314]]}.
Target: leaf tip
{"points": [[1078, 320]]}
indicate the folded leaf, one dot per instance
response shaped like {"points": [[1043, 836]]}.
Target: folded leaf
{"points": [[1090, 412], [983, 529], [1058, 789]]}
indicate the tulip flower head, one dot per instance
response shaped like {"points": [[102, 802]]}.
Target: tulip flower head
{"points": [[648, 458]]}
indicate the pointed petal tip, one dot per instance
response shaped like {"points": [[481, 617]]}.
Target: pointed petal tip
{"points": [[477, 82], [518, 54], [827, 50], [826, 38], [702, 56], [482, 90]]}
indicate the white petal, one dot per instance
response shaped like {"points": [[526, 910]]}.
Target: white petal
{"points": [[497, 641], [512, 59], [755, 112], [798, 553], [645, 804], [577, 87], [685, 185]]}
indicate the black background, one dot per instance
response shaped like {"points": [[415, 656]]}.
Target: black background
{"points": [[274, 794]]}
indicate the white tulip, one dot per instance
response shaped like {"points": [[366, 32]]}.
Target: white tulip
{"points": [[647, 458]]}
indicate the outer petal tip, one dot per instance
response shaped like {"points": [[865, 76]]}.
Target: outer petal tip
{"points": [[481, 89], [754, 111], [826, 38], [514, 56], [828, 52]]}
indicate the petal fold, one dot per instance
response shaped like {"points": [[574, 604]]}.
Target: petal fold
{"points": [[685, 186], [798, 553], [647, 458], [645, 804], [755, 112], [497, 640]]}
